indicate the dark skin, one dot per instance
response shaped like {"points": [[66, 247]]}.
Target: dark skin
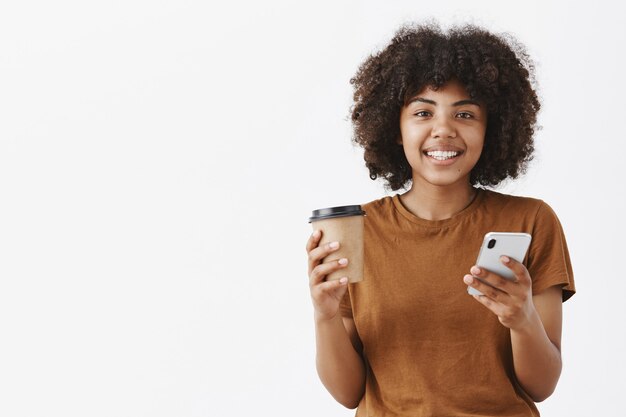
{"points": [[493, 70], [535, 322], [339, 363], [441, 187]]}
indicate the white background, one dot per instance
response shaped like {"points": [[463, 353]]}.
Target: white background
{"points": [[159, 160]]}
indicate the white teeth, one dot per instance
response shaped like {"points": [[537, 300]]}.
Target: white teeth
{"points": [[442, 155]]}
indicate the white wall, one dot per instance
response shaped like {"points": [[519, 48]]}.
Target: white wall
{"points": [[159, 160]]}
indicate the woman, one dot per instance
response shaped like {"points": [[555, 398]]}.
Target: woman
{"points": [[446, 113]]}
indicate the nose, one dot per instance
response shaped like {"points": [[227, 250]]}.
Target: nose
{"points": [[443, 128]]}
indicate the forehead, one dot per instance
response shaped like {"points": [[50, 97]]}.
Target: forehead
{"points": [[452, 91]]}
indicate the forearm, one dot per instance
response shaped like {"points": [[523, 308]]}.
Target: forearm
{"points": [[339, 366], [537, 361]]}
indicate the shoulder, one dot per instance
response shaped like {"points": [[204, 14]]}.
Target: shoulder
{"points": [[519, 204], [379, 205], [526, 212], [380, 214], [494, 197]]}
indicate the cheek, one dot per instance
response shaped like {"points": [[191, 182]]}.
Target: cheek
{"points": [[475, 153], [477, 142], [413, 134]]}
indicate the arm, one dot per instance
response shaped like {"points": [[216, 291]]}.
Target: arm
{"points": [[537, 346], [535, 324], [339, 364]]}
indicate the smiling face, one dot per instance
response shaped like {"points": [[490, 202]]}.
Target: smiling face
{"points": [[442, 133]]}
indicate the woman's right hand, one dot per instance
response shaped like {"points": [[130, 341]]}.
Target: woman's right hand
{"points": [[326, 295]]}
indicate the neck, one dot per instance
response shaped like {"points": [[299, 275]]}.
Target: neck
{"points": [[434, 202]]}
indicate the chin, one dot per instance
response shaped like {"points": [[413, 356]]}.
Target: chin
{"points": [[447, 181]]}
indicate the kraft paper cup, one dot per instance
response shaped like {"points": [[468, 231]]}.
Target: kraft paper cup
{"points": [[344, 225]]}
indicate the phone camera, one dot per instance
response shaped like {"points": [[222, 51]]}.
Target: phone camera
{"points": [[491, 243]]}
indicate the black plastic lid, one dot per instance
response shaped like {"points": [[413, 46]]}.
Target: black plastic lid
{"points": [[331, 212]]}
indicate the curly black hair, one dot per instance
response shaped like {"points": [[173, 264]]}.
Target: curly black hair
{"points": [[495, 70]]}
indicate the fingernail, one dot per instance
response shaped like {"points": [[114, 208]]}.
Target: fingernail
{"points": [[333, 245], [316, 234], [343, 280], [343, 261], [505, 259], [468, 279], [475, 270]]}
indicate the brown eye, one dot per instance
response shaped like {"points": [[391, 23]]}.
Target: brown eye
{"points": [[464, 115], [422, 114]]}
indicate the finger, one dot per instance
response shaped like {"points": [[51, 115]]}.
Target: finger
{"points": [[492, 305], [518, 268], [319, 273], [487, 290], [492, 279], [313, 240], [320, 252], [336, 288]]}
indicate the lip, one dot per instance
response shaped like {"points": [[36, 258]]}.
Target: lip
{"points": [[444, 148], [444, 162]]}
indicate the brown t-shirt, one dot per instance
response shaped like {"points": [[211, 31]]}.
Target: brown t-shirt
{"points": [[430, 349]]}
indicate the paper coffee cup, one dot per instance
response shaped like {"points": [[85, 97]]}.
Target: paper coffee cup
{"points": [[344, 225]]}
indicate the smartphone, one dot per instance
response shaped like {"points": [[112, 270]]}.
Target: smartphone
{"points": [[497, 244]]}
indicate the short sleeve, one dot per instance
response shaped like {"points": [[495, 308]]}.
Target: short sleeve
{"points": [[345, 307], [548, 259]]}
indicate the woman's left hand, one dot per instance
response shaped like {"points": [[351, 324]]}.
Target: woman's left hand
{"points": [[510, 300]]}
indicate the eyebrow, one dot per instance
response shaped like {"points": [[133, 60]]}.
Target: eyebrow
{"points": [[434, 103]]}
